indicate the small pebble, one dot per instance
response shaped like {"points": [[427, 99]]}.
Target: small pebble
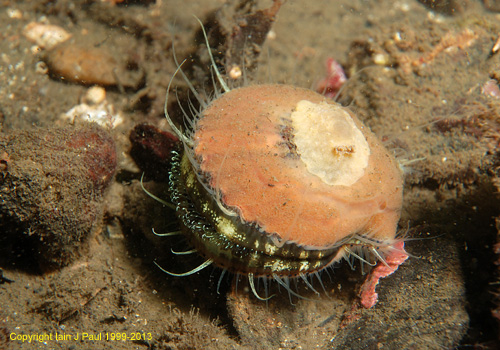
{"points": [[490, 88], [89, 66], [46, 36], [95, 95], [14, 13], [82, 65], [41, 68]]}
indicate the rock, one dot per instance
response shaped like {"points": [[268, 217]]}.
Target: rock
{"points": [[89, 66], [51, 192]]}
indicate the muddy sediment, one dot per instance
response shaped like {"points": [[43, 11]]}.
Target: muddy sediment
{"points": [[77, 249]]}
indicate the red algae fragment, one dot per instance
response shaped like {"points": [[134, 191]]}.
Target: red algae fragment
{"points": [[396, 257], [335, 77]]}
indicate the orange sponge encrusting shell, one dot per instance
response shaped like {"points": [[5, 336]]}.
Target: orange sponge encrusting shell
{"points": [[300, 166]]}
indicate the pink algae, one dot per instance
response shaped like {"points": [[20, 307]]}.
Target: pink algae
{"points": [[335, 77], [394, 258]]}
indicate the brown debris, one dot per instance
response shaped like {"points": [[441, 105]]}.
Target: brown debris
{"points": [[450, 40], [248, 33], [408, 50], [446, 7], [151, 150], [126, 2], [492, 5], [496, 249]]}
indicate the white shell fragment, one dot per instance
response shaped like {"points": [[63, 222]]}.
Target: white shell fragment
{"points": [[94, 109], [46, 36]]}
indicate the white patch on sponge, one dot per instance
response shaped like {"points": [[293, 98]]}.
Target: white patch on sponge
{"points": [[329, 142]]}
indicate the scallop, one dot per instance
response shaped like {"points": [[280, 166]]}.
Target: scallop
{"points": [[280, 182]]}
